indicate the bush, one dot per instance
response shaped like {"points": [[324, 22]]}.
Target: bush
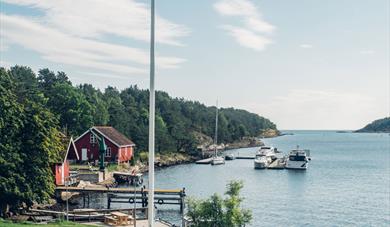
{"points": [[218, 212], [143, 156]]}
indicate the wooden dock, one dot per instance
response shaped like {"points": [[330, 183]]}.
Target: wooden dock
{"points": [[129, 195], [116, 190], [245, 157]]}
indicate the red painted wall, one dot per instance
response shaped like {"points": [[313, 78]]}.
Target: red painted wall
{"points": [[58, 173], [125, 153], [93, 150]]}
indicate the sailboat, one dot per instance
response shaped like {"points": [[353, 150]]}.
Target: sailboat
{"points": [[216, 160]]}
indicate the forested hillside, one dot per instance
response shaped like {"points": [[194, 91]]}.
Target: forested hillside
{"points": [[79, 107], [381, 125]]}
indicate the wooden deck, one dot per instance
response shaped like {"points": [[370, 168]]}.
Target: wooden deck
{"points": [[116, 190]]}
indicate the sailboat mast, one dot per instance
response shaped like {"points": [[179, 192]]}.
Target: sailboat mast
{"points": [[216, 130], [151, 122]]}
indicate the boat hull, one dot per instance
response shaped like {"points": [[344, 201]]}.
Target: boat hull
{"points": [[297, 165], [260, 165], [218, 161]]}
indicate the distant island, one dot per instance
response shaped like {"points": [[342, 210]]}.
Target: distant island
{"points": [[381, 125]]}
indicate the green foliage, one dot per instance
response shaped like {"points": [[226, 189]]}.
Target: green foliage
{"points": [[381, 125], [29, 143], [143, 156], [177, 120], [218, 212]]}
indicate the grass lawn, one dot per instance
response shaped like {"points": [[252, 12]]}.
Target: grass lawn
{"points": [[6, 223]]}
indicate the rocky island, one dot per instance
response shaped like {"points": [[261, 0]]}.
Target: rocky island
{"points": [[378, 126]]}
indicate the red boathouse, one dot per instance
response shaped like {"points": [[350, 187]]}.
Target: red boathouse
{"points": [[61, 169], [119, 147]]}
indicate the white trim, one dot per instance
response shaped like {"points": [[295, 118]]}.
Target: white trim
{"points": [[129, 145], [81, 135], [106, 154], [67, 150], [92, 139]]}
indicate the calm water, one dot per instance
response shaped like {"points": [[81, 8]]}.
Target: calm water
{"points": [[347, 183]]}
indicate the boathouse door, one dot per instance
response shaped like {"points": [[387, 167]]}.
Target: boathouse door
{"points": [[84, 156]]}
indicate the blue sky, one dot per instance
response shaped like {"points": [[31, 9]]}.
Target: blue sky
{"points": [[305, 64]]}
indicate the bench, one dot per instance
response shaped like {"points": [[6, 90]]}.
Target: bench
{"points": [[110, 220]]}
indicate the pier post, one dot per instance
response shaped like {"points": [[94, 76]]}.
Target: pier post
{"points": [[108, 200], [142, 198]]}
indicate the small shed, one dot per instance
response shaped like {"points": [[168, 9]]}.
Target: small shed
{"points": [[61, 169]]}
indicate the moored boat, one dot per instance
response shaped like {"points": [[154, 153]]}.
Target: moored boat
{"points": [[217, 161], [260, 162], [134, 179], [264, 157], [298, 159], [230, 157]]}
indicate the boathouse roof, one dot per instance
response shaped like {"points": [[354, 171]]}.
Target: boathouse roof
{"points": [[113, 134]]}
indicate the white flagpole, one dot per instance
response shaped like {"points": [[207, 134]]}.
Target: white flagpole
{"points": [[151, 123]]}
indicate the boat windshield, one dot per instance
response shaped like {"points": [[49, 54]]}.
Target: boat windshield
{"points": [[297, 158]]}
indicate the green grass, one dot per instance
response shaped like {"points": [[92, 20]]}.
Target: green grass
{"points": [[6, 223]]}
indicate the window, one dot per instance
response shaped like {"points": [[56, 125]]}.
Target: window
{"points": [[108, 152], [92, 138]]}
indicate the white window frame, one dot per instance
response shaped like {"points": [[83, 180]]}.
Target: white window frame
{"points": [[92, 138], [108, 152]]}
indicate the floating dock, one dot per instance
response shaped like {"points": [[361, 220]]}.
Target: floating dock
{"points": [[245, 157]]}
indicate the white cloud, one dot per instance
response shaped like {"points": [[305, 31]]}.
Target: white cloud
{"points": [[96, 18], [82, 34], [306, 46], [247, 38], [322, 109], [63, 48], [253, 23]]}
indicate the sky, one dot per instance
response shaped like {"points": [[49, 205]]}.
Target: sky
{"points": [[304, 64]]}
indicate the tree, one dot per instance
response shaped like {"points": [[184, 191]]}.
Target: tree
{"points": [[10, 157], [30, 142], [74, 111], [218, 212], [100, 115], [115, 108]]}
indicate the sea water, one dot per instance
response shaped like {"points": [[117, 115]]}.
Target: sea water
{"points": [[347, 182]]}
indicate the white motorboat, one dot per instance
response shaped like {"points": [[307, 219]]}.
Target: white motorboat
{"points": [[217, 161], [298, 159], [260, 162], [264, 156]]}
